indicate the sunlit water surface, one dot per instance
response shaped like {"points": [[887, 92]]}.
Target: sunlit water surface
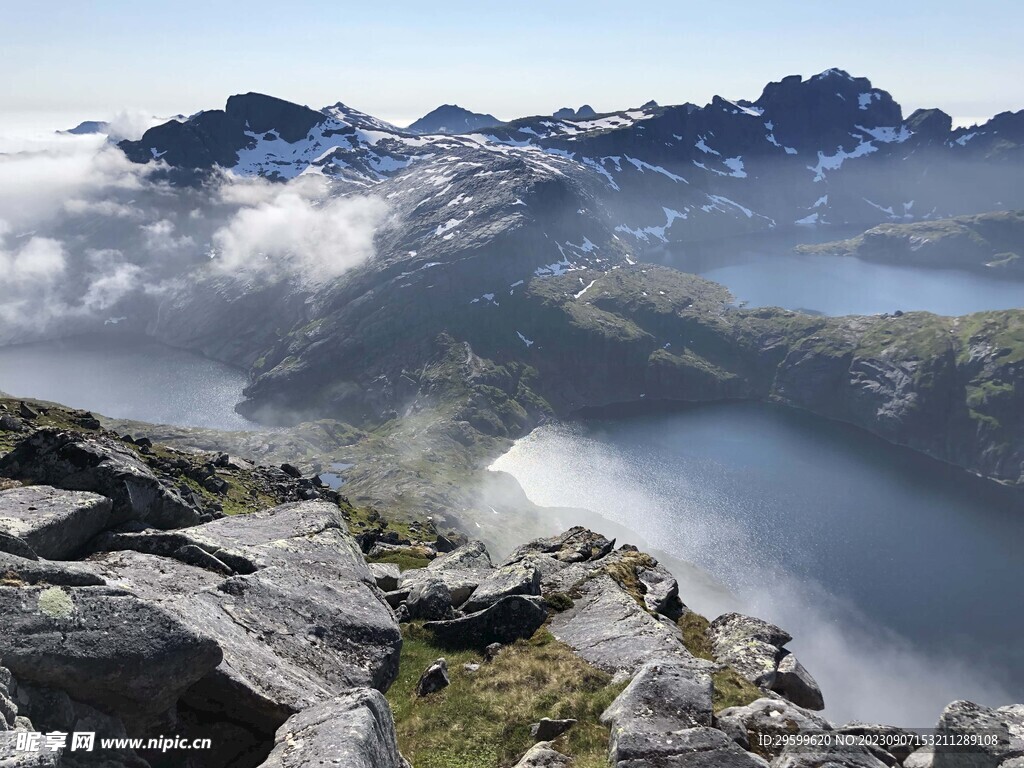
{"points": [[901, 579]]}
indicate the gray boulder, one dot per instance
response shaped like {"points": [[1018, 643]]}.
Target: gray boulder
{"points": [[750, 645], [549, 730], [54, 523], [966, 717], [434, 678], [74, 462], [889, 735], [104, 646], [461, 570], [770, 718], [387, 576], [607, 628], [665, 695], [661, 591], [302, 621], [542, 755], [508, 620], [8, 709], [923, 758], [796, 684], [576, 545], [664, 718], [754, 648], [430, 600], [353, 730], [520, 578]]}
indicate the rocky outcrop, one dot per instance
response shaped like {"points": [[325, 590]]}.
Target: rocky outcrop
{"points": [[355, 730], [769, 718], [520, 578], [461, 570], [967, 719], [609, 629], [53, 523], [755, 649], [507, 620], [112, 649], [68, 460], [303, 620]]}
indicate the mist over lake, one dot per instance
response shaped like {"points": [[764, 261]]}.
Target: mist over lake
{"points": [[894, 573]]}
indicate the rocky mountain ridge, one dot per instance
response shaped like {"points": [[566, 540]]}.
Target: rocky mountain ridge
{"points": [[288, 641]]}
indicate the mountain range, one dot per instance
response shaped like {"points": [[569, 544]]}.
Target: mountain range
{"points": [[508, 281]]}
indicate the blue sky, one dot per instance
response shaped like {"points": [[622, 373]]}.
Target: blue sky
{"points": [[400, 59]]}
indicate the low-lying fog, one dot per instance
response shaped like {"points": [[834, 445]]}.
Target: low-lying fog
{"points": [[896, 576]]}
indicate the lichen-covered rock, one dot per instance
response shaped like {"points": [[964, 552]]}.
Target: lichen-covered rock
{"points": [[75, 462], [770, 718], [607, 628], [543, 755], [968, 718], [510, 619], [665, 696], [103, 646], [53, 522], [754, 648], [701, 747], [520, 578], [353, 730]]}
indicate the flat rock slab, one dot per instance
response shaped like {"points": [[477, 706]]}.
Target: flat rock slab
{"points": [[510, 619], [106, 647], [55, 523], [665, 695], [355, 730], [608, 629], [303, 623], [108, 467]]}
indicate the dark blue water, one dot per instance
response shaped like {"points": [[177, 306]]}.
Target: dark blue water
{"points": [[901, 579], [127, 377]]}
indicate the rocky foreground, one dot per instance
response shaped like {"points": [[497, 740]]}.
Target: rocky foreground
{"points": [[300, 631]]}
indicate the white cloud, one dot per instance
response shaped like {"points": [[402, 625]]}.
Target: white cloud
{"points": [[289, 231]]}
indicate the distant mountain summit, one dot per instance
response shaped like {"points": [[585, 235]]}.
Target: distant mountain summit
{"points": [[451, 118], [87, 127], [568, 113]]}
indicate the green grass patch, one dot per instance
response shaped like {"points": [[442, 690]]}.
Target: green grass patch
{"points": [[482, 720], [405, 560]]}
